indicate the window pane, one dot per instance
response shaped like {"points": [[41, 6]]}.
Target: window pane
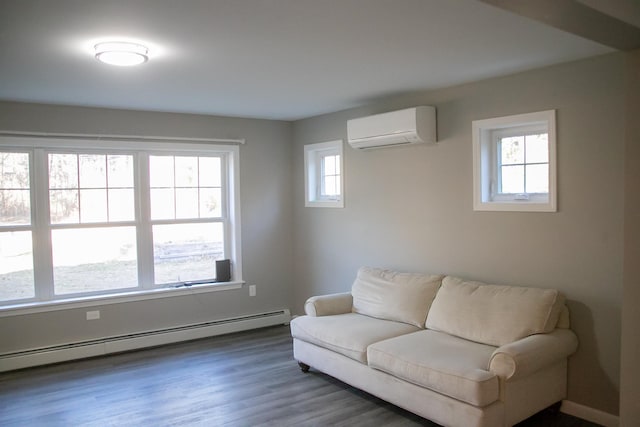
{"points": [[330, 178], [14, 170], [330, 165], [186, 171], [161, 171], [330, 187], [64, 206], [538, 178], [93, 206], [93, 172], [512, 150], [15, 202], [94, 259], [537, 148], [16, 266], [162, 204], [197, 189], [210, 172], [186, 203], [121, 205], [186, 252], [63, 171], [63, 194], [120, 171], [210, 203], [512, 179], [15, 207], [85, 199]]}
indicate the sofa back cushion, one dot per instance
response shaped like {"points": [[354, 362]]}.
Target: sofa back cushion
{"points": [[493, 314], [390, 295]]}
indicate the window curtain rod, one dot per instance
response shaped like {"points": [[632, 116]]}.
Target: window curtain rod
{"points": [[135, 138]]}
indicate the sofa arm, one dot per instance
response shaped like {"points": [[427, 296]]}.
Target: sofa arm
{"points": [[326, 305], [528, 355]]}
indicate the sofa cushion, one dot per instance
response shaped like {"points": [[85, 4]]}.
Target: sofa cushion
{"points": [[348, 334], [493, 314], [439, 362], [390, 295]]}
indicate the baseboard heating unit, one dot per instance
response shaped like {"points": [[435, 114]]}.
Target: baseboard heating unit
{"points": [[116, 344]]}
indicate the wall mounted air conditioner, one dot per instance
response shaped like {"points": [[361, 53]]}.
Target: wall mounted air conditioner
{"points": [[409, 126]]}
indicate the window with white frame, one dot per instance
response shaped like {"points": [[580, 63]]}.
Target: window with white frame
{"points": [[16, 227], [92, 224], [323, 174], [514, 163], [134, 217], [186, 216]]}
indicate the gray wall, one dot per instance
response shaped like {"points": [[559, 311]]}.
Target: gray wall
{"points": [[630, 369], [410, 208], [265, 175]]}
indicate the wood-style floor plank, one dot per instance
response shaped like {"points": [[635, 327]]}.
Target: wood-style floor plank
{"points": [[242, 379]]}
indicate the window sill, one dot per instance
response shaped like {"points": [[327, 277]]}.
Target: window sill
{"points": [[324, 204], [98, 300], [515, 206]]}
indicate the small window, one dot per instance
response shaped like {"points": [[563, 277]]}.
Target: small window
{"points": [[514, 163], [323, 174]]}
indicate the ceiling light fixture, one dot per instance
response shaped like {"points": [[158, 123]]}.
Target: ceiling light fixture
{"points": [[123, 54]]}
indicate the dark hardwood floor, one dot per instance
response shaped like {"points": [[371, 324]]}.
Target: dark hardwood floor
{"points": [[242, 379]]}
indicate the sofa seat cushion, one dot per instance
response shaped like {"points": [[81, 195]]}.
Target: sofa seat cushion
{"points": [[440, 362], [391, 295], [348, 334], [493, 314]]}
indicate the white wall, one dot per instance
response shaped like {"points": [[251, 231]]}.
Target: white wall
{"points": [[410, 208], [265, 193]]}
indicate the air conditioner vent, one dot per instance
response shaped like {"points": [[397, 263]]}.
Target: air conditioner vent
{"points": [[409, 126]]}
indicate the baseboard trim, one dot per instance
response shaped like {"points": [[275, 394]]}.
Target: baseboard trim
{"points": [[589, 414], [116, 344]]}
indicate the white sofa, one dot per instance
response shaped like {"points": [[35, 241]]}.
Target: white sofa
{"points": [[456, 352]]}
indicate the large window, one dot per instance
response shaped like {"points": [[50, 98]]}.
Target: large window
{"points": [[110, 221]]}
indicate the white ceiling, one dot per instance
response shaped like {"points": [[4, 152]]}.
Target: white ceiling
{"points": [[274, 59]]}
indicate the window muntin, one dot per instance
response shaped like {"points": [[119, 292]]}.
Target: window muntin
{"points": [[514, 163], [101, 228], [522, 165], [185, 187], [324, 174], [90, 188]]}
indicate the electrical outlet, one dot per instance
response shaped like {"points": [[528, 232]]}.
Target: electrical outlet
{"points": [[252, 290], [93, 315]]}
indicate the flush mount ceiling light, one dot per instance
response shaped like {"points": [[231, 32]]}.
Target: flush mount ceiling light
{"points": [[123, 54]]}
